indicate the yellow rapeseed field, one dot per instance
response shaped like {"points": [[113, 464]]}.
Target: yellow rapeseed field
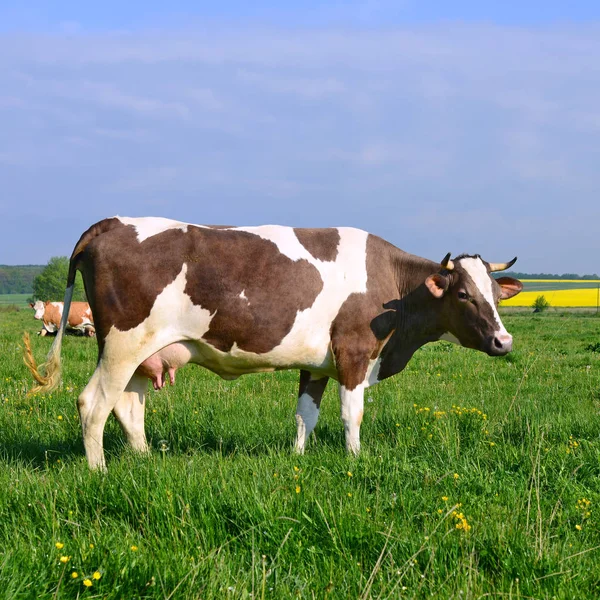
{"points": [[559, 298]]}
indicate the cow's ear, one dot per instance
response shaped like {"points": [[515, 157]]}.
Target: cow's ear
{"points": [[437, 284], [510, 287]]}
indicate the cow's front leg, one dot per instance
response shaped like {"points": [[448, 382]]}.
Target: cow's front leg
{"points": [[352, 362], [309, 401], [352, 407]]}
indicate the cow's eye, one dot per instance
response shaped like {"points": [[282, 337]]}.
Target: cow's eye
{"points": [[463, 296]]}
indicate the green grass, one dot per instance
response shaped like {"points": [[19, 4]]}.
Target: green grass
{"points": [[214, 510]]}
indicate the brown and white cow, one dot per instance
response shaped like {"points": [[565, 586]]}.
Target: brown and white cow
{"points": [[334, 303], [50, 313]]}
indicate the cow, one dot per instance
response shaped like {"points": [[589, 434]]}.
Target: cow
{"points": [[335, 303], [50, 313]]}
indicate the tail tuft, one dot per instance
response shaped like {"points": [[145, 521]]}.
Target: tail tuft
{"points": [[47, 374]]}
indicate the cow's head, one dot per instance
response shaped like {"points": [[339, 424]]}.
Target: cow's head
{"points": [[470, 296], [39, 307]]}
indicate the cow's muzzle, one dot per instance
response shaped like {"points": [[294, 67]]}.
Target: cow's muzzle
{"points": [[499, 344]]}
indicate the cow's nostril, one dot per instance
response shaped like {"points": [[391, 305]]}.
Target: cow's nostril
{"points": [[498, 343]]}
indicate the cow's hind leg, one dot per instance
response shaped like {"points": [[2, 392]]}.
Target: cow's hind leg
{"points": [[309, 401], [129, 411], [95, 403]]}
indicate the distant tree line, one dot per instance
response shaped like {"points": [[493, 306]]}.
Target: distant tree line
{"points": [[545, 275], [18, 279], [43, 282]]}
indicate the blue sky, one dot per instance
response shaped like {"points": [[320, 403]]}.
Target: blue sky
{"points": [[441, 126]]}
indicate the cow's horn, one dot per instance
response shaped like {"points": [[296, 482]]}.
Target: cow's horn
{"points": [[447, 263], [502, 266]]}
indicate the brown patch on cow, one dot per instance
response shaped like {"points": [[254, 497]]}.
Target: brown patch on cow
{"points": [[126, 276], [321, 243], [313, 387]]}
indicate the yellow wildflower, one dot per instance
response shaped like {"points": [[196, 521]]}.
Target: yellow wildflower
{"points": [[349, 473], [445, 498], [87, 582], [96, 575], [578, 527], [134, 548], [298, 488], [74, 575], [59, 545], [456, 475], [65, 559]]}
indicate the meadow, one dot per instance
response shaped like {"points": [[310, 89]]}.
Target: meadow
{"points": [[479, 477]]}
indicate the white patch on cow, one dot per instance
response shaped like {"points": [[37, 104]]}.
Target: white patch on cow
{"points": [[160, 328], [146, 227], [39, 307], [482, 279], [448, 337], [283, 237], [60, 306], [308, 343], [243, 296]]}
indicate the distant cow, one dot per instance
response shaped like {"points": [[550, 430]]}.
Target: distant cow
{"points": [[334, 303], [50, 313]]}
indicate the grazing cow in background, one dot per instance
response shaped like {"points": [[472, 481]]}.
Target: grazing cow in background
{"points": [[50, 313], [334, 303]]}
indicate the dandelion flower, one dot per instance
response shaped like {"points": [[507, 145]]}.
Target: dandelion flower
{"points": [[456, 475], [134, 548], [298, 488], [296, 468], [349, 473], [578, 527], [96, 575], [349, 494], [74, 574], [65, 559], [445, 498], [87, 582], [59, 545]]}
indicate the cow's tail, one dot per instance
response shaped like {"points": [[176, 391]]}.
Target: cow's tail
{"points": [[48, 374]]}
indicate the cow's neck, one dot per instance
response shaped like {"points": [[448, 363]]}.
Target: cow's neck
{"points": [[418, 313]]}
